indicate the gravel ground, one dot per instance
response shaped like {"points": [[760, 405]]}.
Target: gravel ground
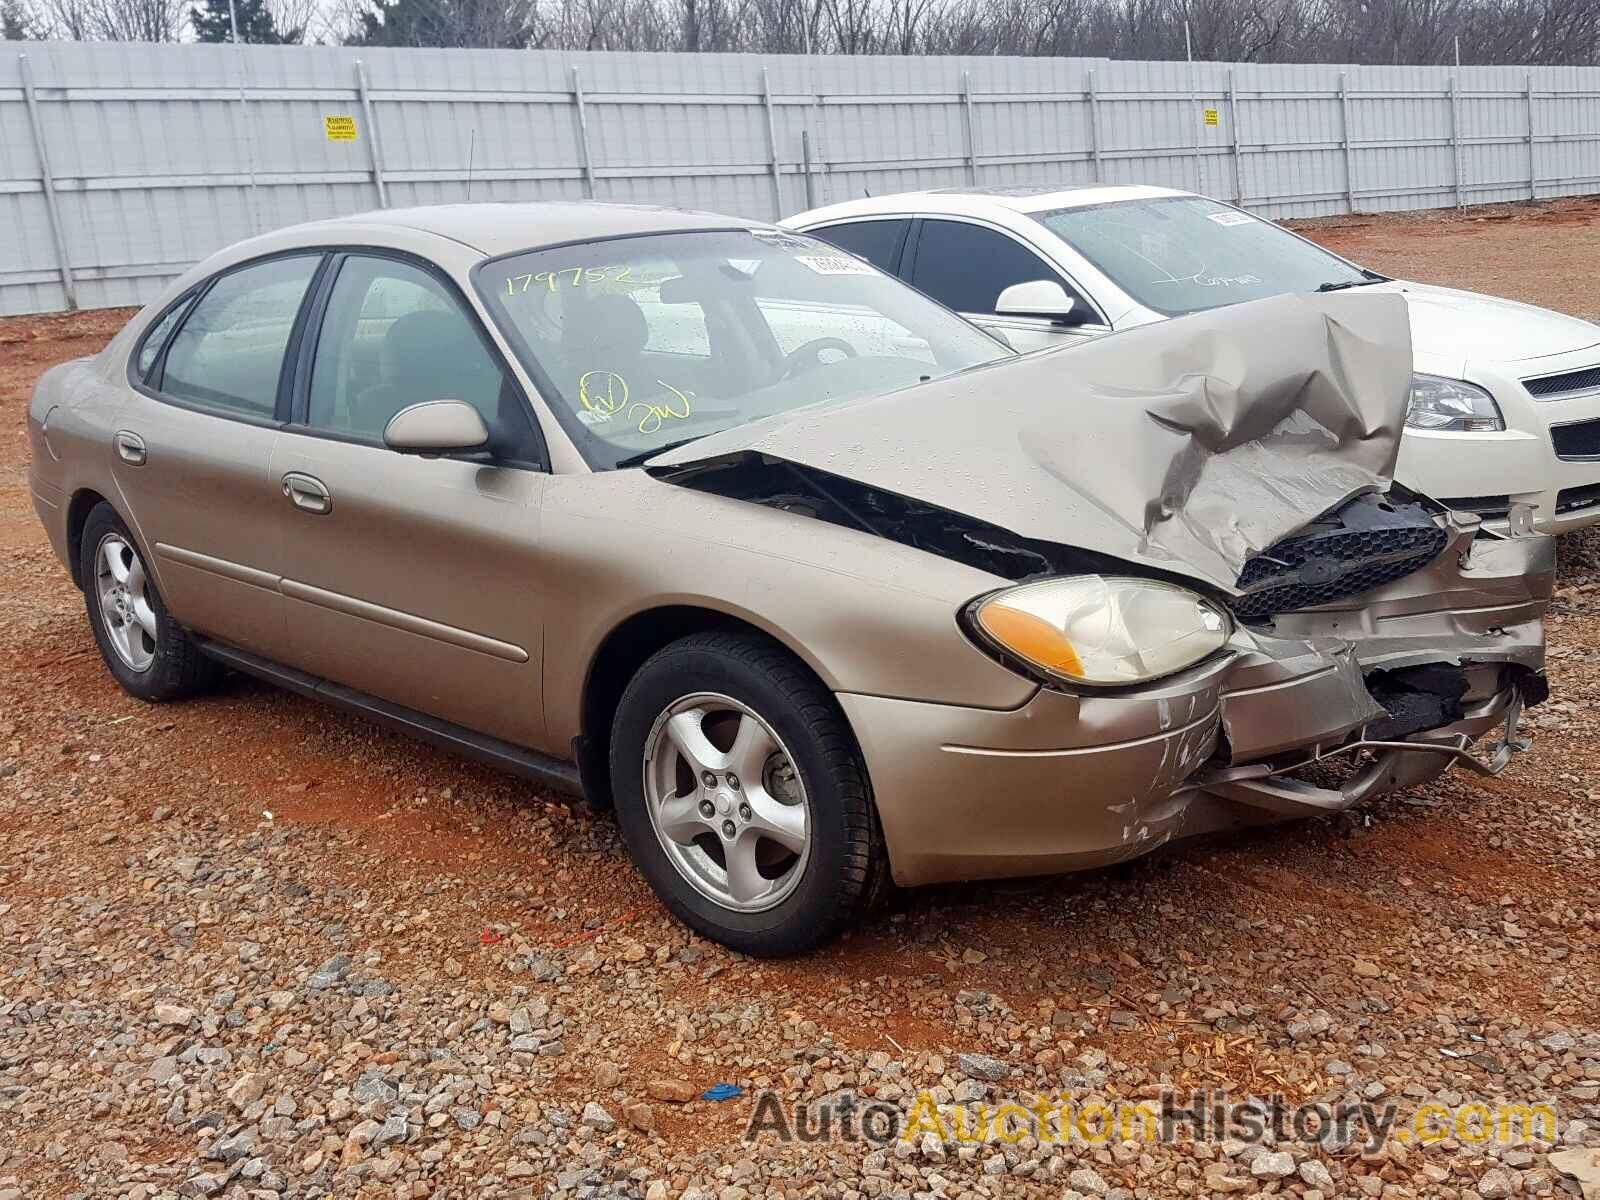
{"points": [[250, 947]]}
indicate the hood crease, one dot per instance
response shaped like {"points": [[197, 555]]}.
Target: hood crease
{"points": [[1188, 446]]}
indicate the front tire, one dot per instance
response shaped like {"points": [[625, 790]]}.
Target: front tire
{"points": [[146, 651], [742, 796]]}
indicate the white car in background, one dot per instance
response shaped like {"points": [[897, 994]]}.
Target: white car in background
{"points": [[1505, 403]]}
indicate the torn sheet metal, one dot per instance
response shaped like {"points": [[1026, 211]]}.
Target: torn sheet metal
{"points": [[1190, 445]]}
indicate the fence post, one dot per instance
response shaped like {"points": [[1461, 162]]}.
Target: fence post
{"points": [[1455, 135], [1533, 160], [1192, 114], [972, 137], [47, 181], [805, 158], [374, 150], [583, 134], [1344, 139], [249, 137], [1233, 130], [772, 147], [1094, 122]]}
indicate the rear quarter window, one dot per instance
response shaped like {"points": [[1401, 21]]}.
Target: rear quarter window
{"points": [[156, 337]]}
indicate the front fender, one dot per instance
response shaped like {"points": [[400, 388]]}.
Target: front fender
{"points": [[866, 615]]}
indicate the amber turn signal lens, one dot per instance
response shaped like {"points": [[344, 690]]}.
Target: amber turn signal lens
{"points": [[1103, 630]]}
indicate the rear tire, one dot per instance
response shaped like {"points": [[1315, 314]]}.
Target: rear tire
{"points": [[146, 651], [762, 835]]}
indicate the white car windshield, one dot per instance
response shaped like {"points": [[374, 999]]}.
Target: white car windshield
{"points": [[1184, 254], [640, 343]]}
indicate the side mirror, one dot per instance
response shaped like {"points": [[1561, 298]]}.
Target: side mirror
{"points": [[1039, 298], [436, 427]]}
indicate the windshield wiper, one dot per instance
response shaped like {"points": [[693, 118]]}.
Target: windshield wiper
{"points": [[639, 459], [1366, 278]]}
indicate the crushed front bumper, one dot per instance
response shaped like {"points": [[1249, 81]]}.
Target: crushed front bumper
{"points": [[1073, 781]]}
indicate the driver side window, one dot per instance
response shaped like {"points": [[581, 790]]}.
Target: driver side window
{"points": [[394, 336], [965, 267]]}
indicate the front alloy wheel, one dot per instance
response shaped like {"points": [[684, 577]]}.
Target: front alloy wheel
{"points": [[726, 802], [742, 795]]}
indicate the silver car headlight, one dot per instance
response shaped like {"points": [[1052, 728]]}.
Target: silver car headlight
{"points": [[1453, 405], [1102, 630]]}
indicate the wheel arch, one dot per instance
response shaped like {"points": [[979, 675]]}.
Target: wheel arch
{"points": [[83, 503], [620, 655]]}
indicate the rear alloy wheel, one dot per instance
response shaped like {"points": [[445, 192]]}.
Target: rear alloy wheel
{"points": [[742, 796], [126, 614], [150, 654]]}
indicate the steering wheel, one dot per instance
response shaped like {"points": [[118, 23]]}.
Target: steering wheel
{"points": [[809, 356]]}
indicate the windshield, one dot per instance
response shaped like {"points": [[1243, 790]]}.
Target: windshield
{"points": [[1184, 254], [641, 343]]}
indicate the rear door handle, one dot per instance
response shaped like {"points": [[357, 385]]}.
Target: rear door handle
{"points": [[130, 447], [307, 492]]}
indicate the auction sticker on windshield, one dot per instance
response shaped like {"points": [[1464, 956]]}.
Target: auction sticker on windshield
{"points": [[833, 264]]}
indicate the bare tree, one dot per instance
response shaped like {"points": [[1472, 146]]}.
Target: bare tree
{"points": [[111, 20], [1345, 31], [303, 17]]}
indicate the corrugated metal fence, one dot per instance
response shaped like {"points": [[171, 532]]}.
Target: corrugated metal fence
{"points": [[121, 164]]}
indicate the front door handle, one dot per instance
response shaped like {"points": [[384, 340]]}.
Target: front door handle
{"points": [[307, 492], [130, 447]]}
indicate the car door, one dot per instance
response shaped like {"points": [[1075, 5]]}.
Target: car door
{"points": [[193, 443], [413, 579], [965, 266]]}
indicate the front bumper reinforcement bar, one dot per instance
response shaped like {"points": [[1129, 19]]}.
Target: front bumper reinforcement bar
{"points": [[1396, 764]]}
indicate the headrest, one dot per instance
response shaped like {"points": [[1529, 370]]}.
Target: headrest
{"points": [[609, 325]]}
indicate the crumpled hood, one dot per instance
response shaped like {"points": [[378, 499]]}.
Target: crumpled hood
{"points": [[1463, 326], [1189, 445]]}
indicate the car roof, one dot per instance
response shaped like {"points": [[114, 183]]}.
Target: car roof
{"points": [[973, 201], [501, 228]]}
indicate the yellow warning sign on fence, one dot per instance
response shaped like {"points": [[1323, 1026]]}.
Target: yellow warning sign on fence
{"points": [[339, 129], [1213, 118]]}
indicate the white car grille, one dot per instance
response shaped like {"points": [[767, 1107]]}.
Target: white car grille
{"points": [[1549, 387]]}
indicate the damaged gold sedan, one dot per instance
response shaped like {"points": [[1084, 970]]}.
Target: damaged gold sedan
{"points": [[817, 584]]}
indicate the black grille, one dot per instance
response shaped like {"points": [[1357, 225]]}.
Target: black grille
{"points": [[1581, 439], [1568, 381], [1366, 544], [1573, 498]]}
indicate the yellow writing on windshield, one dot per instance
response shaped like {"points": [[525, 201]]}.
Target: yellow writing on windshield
{"points": [[652, 415], [603, 393], [569, 277]]}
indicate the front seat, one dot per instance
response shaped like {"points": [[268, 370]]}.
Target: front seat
{"points": [[427, 355], [605, 336]]}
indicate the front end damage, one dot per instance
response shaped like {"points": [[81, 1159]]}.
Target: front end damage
{"points": [[1245, 454], [1306, 712], [1327, 706]]}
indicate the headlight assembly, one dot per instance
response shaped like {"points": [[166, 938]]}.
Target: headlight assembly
{"points": [[1452, 405], [1101, 630]]}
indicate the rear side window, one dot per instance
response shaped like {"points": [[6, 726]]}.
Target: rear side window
{"points": [[229, 351], [878, 242], [966, 267]]}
